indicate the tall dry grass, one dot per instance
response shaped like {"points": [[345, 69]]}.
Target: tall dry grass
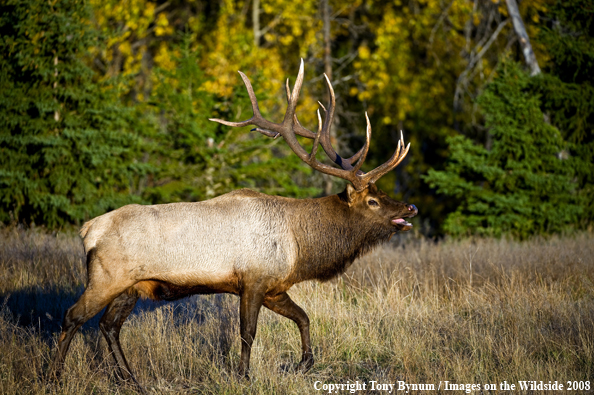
{"points": [[473, 311]]}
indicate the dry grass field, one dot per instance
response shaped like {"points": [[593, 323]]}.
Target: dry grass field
{"points": [[467, 312]]}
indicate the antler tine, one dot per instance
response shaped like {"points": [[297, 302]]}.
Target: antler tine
{"points": [[290, 114], [257, 118], [394, 161], [251, 94], [325, 138], [314, 149], [299, 129], [363, 151], [355, 157], [346, 164], [288, 89]]}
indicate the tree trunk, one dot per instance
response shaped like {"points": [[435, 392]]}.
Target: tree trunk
{"points": [[514, 13], [327, 40], [328, 71], [256, 22]]}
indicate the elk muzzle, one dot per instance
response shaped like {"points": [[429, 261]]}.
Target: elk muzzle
{"points": [[400, 222]]}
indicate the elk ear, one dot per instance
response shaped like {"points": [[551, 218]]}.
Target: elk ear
{"points": [[350, 193]]}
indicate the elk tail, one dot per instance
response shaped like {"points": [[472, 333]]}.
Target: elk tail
{"points": [[85, 228]]}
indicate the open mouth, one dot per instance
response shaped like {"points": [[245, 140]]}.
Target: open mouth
{"points": [[402, 222]]}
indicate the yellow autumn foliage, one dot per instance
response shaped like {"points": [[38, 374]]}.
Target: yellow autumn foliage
{"points": [[392, 74]]}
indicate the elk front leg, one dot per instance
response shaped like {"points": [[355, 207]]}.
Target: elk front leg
{"points": [[251, 301], [282, 304]]}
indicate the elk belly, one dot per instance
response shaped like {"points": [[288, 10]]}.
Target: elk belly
{"points": [[162, 290]]}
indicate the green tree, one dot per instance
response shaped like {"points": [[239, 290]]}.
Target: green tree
{"points": [[522, 185], [567, 87], [65, 153]]}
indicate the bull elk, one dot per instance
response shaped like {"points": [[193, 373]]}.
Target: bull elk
{"points": [[244, 242]]}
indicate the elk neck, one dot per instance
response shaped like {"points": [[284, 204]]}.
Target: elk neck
{"points": [[330, 235]]}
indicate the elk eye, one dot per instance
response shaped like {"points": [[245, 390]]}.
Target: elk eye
{"points": [[373, 203]]}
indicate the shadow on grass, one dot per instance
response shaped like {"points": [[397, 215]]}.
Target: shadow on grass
{"points": [[44, 309]]}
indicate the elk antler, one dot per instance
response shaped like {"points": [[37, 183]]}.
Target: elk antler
{"points": [[290, 126]]}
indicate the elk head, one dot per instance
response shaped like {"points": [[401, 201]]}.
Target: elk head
{"points": [[379, 208], [362, 192]]}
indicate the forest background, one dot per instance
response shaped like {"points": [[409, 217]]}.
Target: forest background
{"points": [[107, 102]]}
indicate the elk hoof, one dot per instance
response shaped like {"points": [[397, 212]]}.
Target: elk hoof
{"points": [[243, 375], [306, 363], [52, 376]]}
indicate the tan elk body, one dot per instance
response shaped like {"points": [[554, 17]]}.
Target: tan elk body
{"points": [[244, 242], [209, 243]]}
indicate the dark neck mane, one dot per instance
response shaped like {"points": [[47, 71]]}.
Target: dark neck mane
{"points": [[330, 236]]}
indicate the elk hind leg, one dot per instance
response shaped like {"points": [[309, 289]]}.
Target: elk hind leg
{"points": [[282, 304], [111, 323], [88, 305]]}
